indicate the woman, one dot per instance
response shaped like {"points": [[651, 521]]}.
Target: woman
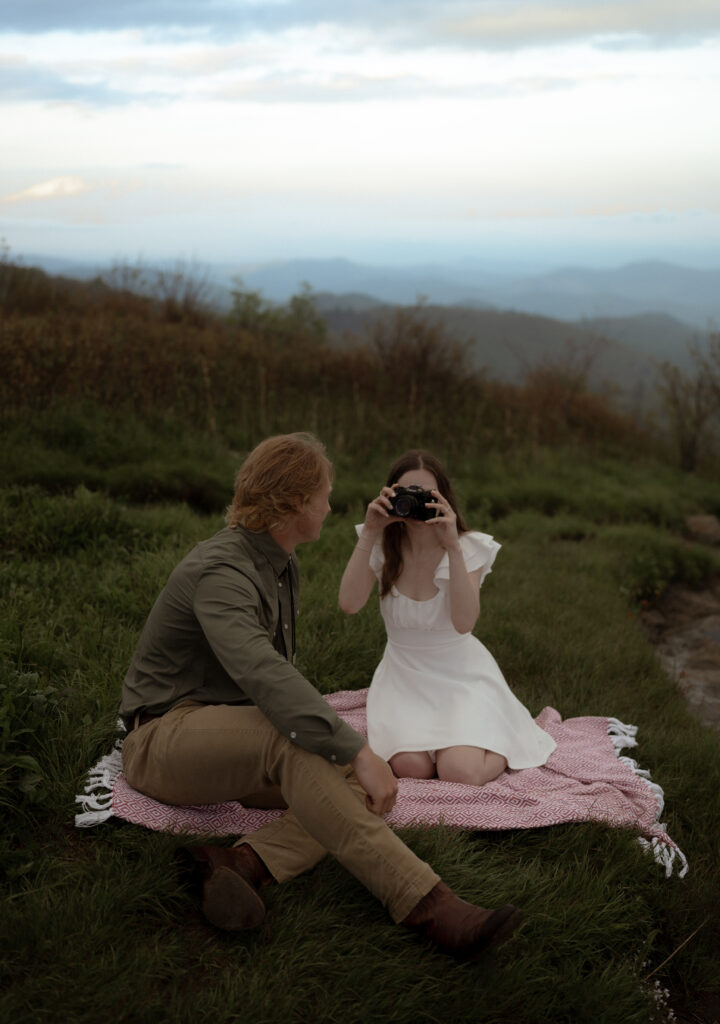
{"points": [[438, 704]]}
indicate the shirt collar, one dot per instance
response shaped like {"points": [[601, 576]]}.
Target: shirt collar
{"points": [[277, 556]]}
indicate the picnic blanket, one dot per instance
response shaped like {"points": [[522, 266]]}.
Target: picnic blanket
{"points": [[585, 779]]}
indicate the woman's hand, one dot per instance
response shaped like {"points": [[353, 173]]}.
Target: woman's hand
{"points": [[379, 511], [445, 522]]}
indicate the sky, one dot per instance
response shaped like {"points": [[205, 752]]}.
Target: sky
{"points": [[525, 133]]}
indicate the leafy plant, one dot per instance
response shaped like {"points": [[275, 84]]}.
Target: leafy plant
{"points": [[26, 708], [651, 560]]}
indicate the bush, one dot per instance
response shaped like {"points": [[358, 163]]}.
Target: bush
{"points": [[26, 709], [36, 524], [651, 560]]}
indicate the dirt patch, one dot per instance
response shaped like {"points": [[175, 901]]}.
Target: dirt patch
{"points": [[684, 626]]}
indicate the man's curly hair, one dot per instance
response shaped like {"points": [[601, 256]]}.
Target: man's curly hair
{"points": [[276, 480]]}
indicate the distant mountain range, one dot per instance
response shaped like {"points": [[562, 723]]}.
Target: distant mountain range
{"points": [[630, 318], [622, 355], [689, 295]]}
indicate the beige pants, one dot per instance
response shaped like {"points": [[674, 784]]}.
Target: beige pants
{"points": [[200, 754]]}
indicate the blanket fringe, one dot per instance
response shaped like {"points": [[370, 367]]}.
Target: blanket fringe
{"points": [[666, 855], [644, 774], [96, 798], [622, 735]]}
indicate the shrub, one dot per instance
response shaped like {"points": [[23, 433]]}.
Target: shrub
{"points": [[26, 709], [36, 524], [651, 560]]}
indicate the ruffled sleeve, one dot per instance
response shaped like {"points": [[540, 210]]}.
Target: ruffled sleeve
{"points": [[479, 551], [377, 558]]}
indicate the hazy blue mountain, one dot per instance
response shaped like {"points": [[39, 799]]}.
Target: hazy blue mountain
{"points": [[658, 334], [688, 295], [396, 285], [510, 344], [82, 269], [572, 293], [352, 302]]}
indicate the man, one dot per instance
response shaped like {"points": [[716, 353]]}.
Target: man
{"points": [[217, 711]]}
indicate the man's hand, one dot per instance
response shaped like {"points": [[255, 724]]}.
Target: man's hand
{"points": [[376, 778]]}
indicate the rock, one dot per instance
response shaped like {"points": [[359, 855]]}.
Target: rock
{"points": [[705, 528], [684, 627]]}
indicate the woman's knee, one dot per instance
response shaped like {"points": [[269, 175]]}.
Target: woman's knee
{"points": [[412, 765], [471, 768]]}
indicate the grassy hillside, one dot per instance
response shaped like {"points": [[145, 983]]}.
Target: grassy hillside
{"points": [[583, 546], [123, 423]]}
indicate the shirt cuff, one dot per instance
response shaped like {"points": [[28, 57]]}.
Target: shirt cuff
{"points": [[345, 745]]}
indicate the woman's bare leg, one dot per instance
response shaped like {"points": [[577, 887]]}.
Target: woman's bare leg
{"points": [[473, 766], [416, 764]]}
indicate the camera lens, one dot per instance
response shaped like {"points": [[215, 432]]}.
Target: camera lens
{"points": [[404, 505]]}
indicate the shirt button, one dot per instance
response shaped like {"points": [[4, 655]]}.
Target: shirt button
{"points": [[279, 583], [293, 735], [333, 758], [285, 626]]}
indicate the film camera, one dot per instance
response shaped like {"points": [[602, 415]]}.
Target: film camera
{"points": [[409, 502]]}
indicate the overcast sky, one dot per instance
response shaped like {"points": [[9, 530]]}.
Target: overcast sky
{"points": [[398, 131]]}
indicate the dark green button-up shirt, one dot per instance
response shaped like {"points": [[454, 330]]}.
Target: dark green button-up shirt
{"points": [[222, 631]]}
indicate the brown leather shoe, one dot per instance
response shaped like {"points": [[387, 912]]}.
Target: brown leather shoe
{"points": [[460, 928], [231, 879]]}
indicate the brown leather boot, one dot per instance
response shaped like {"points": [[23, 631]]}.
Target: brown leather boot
{"points": [[231, 879], [460, 928]]}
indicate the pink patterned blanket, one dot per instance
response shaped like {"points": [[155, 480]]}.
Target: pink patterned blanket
{"points": [[584, 779]]}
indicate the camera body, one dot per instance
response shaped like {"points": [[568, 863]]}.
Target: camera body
{"points": [[409, 503]]}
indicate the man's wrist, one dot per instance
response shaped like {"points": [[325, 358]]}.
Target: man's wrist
{"points": [[362, 753]]}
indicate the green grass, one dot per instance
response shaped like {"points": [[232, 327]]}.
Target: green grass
{"points": [[98, 925]]}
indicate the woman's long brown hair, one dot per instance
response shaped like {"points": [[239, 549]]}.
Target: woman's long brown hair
{"points": [[393, 534]]}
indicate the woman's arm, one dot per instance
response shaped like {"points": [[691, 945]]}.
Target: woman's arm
{"points": [[358, 579], [464, 585], [464, 593]]}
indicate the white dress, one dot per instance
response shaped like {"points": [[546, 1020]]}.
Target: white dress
{"points": [[435, 687]]}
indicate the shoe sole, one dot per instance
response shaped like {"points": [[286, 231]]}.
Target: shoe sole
{"points": [[231, 903]]}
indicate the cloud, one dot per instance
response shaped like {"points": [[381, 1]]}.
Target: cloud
{"points": [[22, 82], [312, 68], [321, 51], [232, 16], [357, 88], [55, 188], [494, 24], [517, 25]]}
